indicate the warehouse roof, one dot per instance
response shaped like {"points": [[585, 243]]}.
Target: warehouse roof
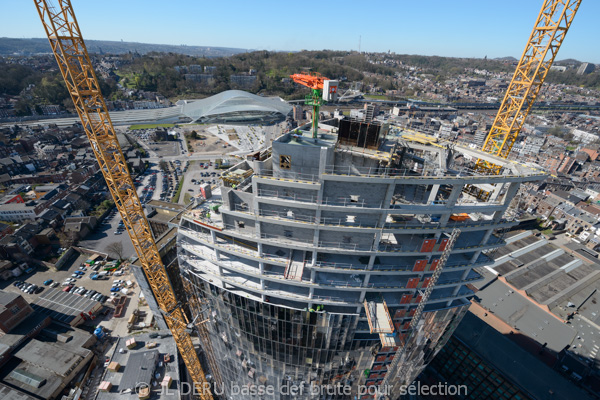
{"points": [[525, 370], [63, 306], [139, 370]]}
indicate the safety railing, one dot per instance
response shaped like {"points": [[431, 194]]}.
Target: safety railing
{"points": [[288, 176]]}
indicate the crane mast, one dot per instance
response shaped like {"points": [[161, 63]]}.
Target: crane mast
{"points": [[76, 68], [315, 82], [545, 40]]}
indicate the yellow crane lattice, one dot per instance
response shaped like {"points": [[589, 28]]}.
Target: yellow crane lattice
{"points": [[76, 68]]}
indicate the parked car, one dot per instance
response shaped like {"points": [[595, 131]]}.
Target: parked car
{"points": [[48, 281], [67, 288], [54, 284], [115, 289]]}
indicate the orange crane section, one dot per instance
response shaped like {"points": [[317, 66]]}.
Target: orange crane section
{"points": [[311, 80]]}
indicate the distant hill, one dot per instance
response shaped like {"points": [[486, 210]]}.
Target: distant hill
{"points": [[509, 58], [567, 62], [12, 46]]}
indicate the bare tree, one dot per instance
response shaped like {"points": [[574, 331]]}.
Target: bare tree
{"points": [[116, 249]]}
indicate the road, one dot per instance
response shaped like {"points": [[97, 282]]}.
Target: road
{"points": [[193, 157]]}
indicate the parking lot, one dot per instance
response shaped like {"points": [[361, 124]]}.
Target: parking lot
{"points": [[40, 276], [107, 233], [199, 172]]}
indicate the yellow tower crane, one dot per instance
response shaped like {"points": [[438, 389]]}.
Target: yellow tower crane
{"points": [[547, 35], [74, 63]]}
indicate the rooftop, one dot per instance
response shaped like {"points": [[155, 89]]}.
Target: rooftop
{"points": [[140, 365], [529, 373], [50, 359], [63, 306], [235, 105]]}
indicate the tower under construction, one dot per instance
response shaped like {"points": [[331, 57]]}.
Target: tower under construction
{"points": [[311, 263]]}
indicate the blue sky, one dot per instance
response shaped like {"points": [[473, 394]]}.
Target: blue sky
{"points": [[460, 28]]}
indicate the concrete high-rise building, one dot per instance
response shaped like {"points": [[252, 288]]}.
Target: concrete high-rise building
{"points": [[586, 68], [310, 265]]}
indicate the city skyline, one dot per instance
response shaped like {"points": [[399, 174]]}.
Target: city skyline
{"points": [[456, 29]]}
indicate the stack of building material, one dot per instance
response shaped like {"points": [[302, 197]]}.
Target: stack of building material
{"points": [[114, 366], [105, 386], [166, 382]]}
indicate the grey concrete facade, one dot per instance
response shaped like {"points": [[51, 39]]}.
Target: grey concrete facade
{"points": [[322, 229]]}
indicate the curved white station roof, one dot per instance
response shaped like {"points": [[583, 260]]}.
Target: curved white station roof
{"points": [[235, 106]]}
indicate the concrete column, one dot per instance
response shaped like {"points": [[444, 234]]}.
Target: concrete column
{"points": [[433, 193], [213, 236], [475, 256], [322, 162], [258, 225], [456, 289], [367, 279], [387, 200], [261, 267], [314, 258], [311, 293], [254, 183], [262, 284], [465, 274], [313, 274], [316, 232], [372, 259], [496, 192], [498, 215], [444, 220], [486, 236], [259, 249], [220, 270], [363, 294], [218, 254], [513, 189], [454, 194]]}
